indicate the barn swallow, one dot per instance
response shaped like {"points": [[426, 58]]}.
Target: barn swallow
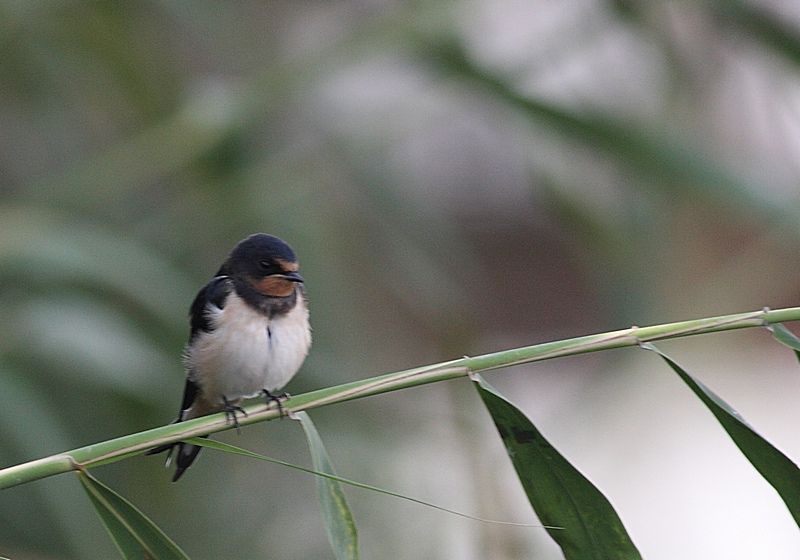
{"points": [[249, 335]]}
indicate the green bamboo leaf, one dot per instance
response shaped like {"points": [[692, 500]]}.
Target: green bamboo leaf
{"points": [[773, 465], [785, 337], [228, 448], [558, 492], [338, 519], [339, 522], [136, 536]]}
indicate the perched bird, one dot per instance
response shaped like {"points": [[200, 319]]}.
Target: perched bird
{"points": [[249, 335]]}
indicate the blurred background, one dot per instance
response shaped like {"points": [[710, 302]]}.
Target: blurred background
{"points": [[457, 178]]}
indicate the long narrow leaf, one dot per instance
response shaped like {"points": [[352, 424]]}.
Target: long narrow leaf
{"points": [[786, 337], [228, 448], [136, 536], [773, 465], [338, 519], [558, 492]]}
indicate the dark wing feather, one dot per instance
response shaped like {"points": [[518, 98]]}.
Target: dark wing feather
{"points": [[215, 293], [186, 453], [190, 391]]}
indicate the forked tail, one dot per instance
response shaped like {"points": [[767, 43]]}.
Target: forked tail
{"points": [[186, 454]]}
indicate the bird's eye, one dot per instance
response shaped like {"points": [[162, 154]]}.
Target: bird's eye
{"points": [[264, 264]]}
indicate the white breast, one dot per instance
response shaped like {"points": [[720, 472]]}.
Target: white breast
{"points": [[247, 352]]}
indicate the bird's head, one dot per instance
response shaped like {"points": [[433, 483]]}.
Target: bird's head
{"points": [[266, 263]]}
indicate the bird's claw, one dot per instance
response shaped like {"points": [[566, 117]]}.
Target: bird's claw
{"points": [[277, 399], [231, 411]]}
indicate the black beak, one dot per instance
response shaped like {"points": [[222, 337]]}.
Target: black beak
{"points": [[293, 276]]}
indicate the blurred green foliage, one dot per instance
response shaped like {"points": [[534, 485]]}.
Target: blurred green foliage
{"points": [[457, 177]]}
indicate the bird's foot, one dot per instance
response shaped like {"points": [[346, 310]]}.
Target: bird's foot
{"points": [[231, 409], [277, 399]]}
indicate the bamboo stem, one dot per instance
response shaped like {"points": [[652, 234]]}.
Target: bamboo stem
{"points": [[133, 444]]}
